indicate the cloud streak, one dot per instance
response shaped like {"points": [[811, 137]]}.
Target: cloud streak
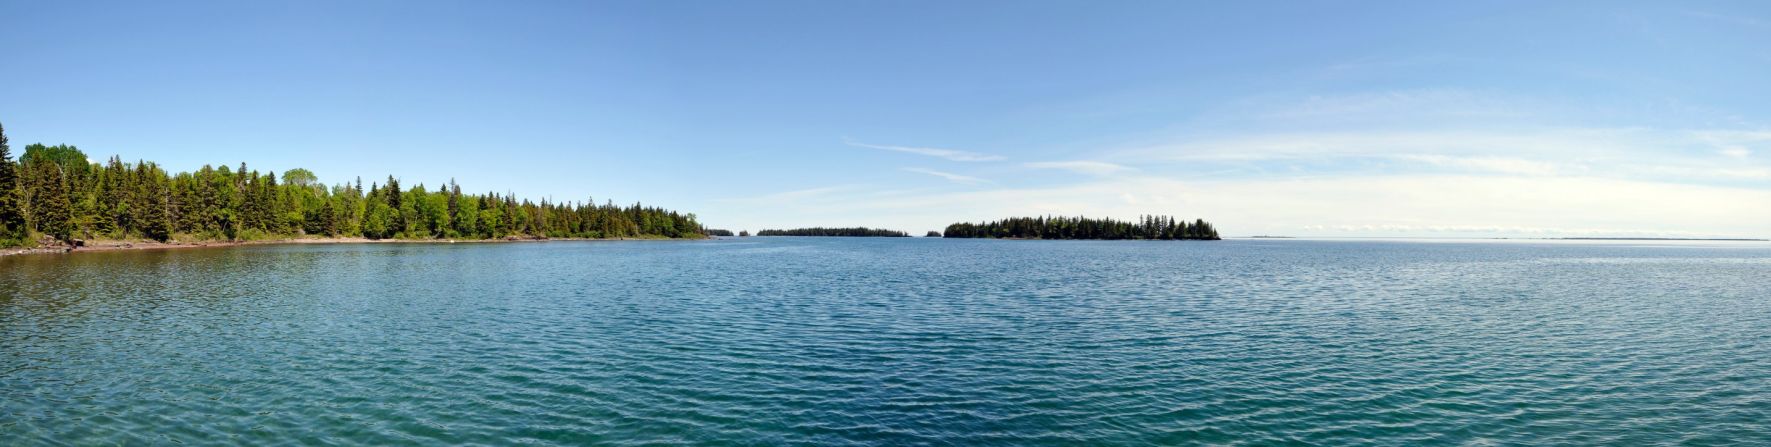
{"points": [[956, 178], [1423, 204], [950, 154], [1081, 167], [1673, 156], [1421, 163]]}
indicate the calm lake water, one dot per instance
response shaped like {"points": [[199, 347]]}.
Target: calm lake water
{"points": [[838, 341]]}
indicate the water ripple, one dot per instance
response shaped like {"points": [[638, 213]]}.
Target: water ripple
{"points": [[795, 341]]}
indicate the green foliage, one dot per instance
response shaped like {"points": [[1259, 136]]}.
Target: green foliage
{"points": [[12, 217], [301, 177], [850, 232], [720, 233], [68, 157], [54, 190], [51, 209], [1148, 227]]}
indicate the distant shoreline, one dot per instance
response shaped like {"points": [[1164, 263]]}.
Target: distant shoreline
{"points": [[99, 246], [1658, 239]]}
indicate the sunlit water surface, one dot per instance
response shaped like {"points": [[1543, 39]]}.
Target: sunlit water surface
{"points": [[838, 341]]}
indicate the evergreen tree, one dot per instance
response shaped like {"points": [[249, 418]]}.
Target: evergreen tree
{"points": [[50, 207], [12, 216], [54, 189], [152, 210], [847, 232], [1146, 227], [396, 220]]}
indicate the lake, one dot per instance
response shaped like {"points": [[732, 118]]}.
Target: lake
{"points": [[853, 341]]}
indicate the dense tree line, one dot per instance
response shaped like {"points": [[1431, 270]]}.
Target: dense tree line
{"points": [[819, 231], [932, 234], [13, 230], [1146, 227], [56, 191], [720, 233]]}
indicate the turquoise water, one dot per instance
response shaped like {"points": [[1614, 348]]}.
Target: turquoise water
{"points": [[837, 341]]}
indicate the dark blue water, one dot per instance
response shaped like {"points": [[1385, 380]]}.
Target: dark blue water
{"points": [[799, 341]]}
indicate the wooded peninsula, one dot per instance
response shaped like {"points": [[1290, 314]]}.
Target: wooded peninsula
{"points": [[846, 232], [1051, 227], [56, 195]]}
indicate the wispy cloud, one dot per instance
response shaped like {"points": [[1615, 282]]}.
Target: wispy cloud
{"points": [[950, 154], [1440, 163], [1488, 164], [1679, 156], [956, 178], [1081, 166], [1442, 204]]}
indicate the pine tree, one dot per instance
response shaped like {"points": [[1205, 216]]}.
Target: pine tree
{"points": [[396, 219], [12, 216], [152, 208], [54, 189], [50, 204]]}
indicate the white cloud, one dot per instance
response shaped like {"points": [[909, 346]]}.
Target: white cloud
{"points": [[1489, 164], [950, 154], [1635, 154], [1081, 166], [1447, 205], [1562, 143], [956, 178], [1442, 163]]}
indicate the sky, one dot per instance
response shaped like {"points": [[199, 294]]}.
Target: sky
{"points": [[1313, 119]]}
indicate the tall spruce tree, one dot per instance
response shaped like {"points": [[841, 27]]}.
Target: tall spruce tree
{"points": [[50, 204], [396, 221], [12, 215], [152, 203]]}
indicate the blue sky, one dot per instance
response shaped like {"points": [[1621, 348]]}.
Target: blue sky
{"points": [[1297, 118]]}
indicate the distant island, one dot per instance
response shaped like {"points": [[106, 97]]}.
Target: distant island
{"points": [[933, 234], [720, 233], [843, 232], [1146, 228], [54, 196], [1659, 239]]}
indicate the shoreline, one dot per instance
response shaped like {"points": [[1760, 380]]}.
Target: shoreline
{"points": [[99, 246]]}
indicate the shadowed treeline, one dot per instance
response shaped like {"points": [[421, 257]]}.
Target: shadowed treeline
{"points": [[1148, 227], [819, 231]]}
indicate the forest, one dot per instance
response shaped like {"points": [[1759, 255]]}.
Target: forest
{"points": [[1051, 227], [848, 232], [720, 233], [56, 192]]}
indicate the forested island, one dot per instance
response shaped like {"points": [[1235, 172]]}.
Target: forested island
{"points": [[1147, 228], [716, 232], [848, 232], [56, 195]]}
